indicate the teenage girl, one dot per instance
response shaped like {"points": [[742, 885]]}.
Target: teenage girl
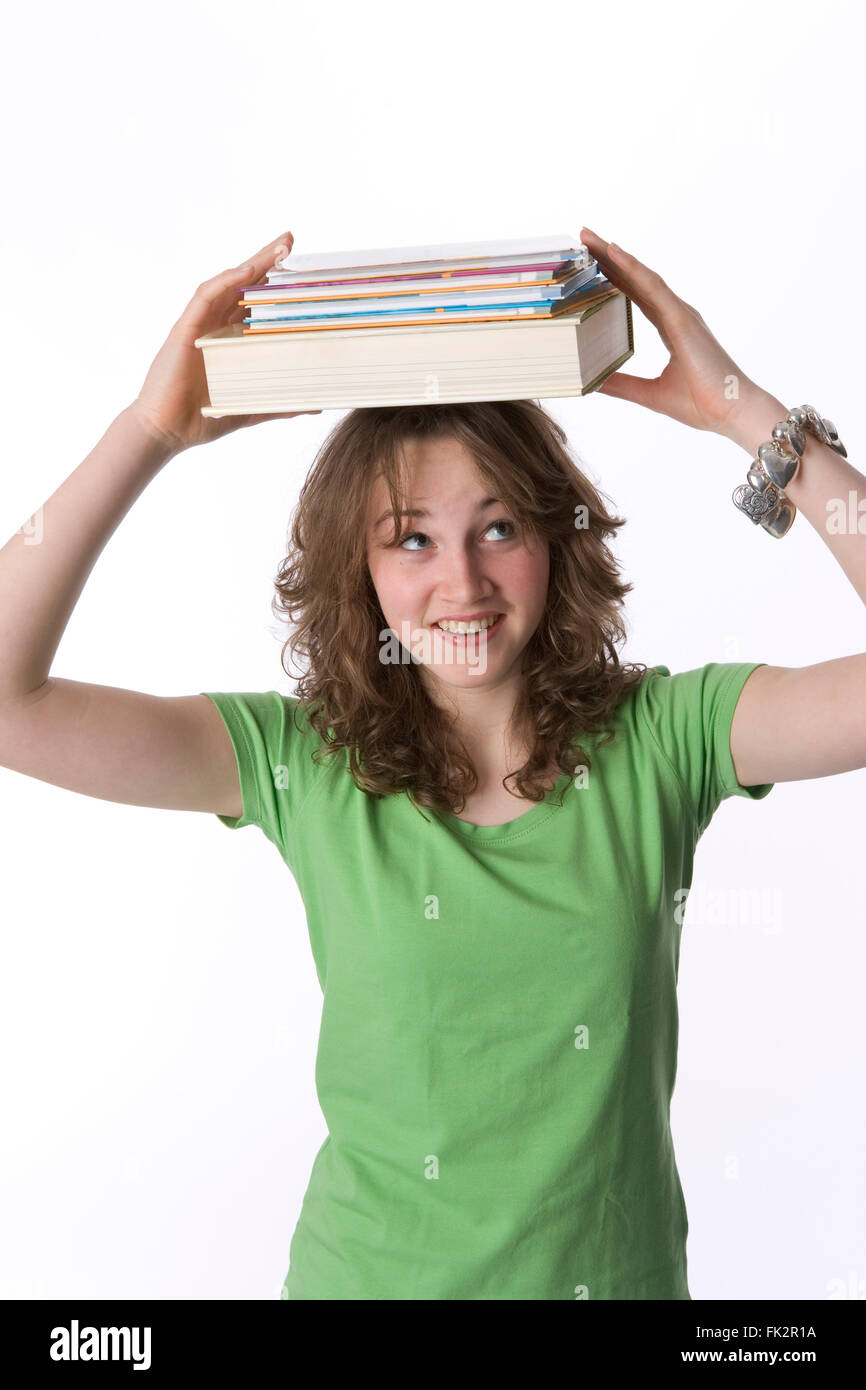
{"points": [[491, 821]]}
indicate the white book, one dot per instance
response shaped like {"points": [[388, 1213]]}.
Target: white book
{"points": [[340, 369], [559, 246]]}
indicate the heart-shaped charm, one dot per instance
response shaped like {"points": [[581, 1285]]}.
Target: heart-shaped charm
{"points": [[780, 467], [828, 430], [758, 478], [791, 434], [757, 505], [780, 523]]}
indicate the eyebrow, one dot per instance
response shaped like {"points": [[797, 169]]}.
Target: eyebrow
{"points": [[420, 511]]}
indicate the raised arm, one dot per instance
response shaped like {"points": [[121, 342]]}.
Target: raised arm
{"points": [[791, 722], [119, 745]]}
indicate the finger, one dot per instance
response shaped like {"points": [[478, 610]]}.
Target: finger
{"points": [[271, 254], [280, 247], [269, 257], [215, 293], [645, 287], [640, 390]]}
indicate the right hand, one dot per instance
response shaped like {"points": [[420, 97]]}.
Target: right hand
{"points": [[175, 388]]}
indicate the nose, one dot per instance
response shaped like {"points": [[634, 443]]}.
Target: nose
{"points": [[461, 577]]}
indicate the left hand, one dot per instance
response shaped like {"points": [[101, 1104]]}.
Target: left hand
{"points": [[175, 388], [701, 385]]}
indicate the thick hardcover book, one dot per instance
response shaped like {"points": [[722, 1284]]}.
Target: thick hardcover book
{"points": [[346, 368]]}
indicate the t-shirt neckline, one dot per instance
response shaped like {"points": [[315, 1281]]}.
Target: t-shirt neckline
{"points": [[520, 825]]}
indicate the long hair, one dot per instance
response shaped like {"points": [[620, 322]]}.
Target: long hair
{"points": [[396, 737]]}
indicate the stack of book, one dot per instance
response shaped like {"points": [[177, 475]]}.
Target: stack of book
{"points": [[499, 320]]}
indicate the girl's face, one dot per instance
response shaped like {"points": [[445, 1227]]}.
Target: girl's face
{"points": [[460, 557]]}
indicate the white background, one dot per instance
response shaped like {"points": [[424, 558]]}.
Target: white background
{"points": [[159, 1007]]}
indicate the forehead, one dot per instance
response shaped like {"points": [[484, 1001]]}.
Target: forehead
{"points": [[441, 473]]}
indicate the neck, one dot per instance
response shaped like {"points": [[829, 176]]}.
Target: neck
{"points": [[482, 720]]}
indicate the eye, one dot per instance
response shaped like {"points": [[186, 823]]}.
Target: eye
{"points": [[421, 535], [413, 535], [503, 522]]}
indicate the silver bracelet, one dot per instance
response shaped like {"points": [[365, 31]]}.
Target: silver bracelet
{"points": [[763, 498]]}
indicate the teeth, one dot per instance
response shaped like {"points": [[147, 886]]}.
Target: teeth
{"points": [[476, 625]]}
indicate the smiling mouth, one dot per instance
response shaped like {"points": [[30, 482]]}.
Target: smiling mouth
{"points": [[471, 631]]}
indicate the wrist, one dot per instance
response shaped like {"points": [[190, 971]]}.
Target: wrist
{"points": [[752, 423], [159, 445]]}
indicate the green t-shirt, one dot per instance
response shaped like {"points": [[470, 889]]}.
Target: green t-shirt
{"points": [[498, 1040]]}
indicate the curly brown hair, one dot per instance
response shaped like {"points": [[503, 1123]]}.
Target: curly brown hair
{"points": [[397, 738]]}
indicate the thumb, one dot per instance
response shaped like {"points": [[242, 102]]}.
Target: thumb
{"points": [[274, 415], [639, 389]]}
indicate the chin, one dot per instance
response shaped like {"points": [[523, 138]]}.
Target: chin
{"points": [[472, 675]]}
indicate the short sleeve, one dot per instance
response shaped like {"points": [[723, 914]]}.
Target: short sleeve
{"points": [[273, 754], [690, 716]]}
